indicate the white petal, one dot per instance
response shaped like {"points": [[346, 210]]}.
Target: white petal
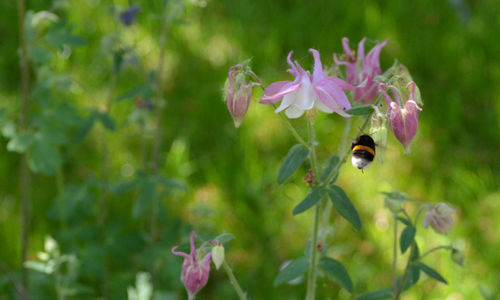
{"points": [[305, 97], [321, 106], [294, 112], [288, 100]]}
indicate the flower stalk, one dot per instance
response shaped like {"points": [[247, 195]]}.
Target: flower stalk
{"points": [[233, 281]]}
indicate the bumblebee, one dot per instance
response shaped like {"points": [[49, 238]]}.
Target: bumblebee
{"points": [[363, 152]]}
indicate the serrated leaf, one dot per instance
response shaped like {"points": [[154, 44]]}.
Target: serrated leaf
{"points": [[20, 142], [344, 206], [40, 54], [328, 168], [292, 270], [431, 272], [337, 272], [361, 110], [407, 237], [144, 90], [293, 160], [376, 295], [315, 194], [404, 221]]}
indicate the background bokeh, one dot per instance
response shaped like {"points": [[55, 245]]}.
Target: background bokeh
{"points": [[450, 47]]}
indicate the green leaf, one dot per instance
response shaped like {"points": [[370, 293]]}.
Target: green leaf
{"points": [[376, 295], [85, 127], [404, 221], [123, 187], [21, 142], [361, 110], [144, 200], [292, 270], [414, 274], [336, 271], [43, 158], [106, 121], [416, 252], [170, 183], [144, 90], [59, 39], [407, 237], [293, 160], [431, 272], [328, 168], [40, 54], [313, 197], [344, 206]]}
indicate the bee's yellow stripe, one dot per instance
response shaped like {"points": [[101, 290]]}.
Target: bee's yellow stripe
{"points": [[361, 147]]}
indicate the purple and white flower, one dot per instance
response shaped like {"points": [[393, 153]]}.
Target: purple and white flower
{"points": [[361, 70], [439, 218], [194, 273], [308, 91]]}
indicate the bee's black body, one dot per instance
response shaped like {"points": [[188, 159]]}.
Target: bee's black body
{"points": [[363, 152]]}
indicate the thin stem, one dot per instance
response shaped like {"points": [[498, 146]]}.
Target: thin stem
{"points": [[25, 176], [233, 280], [405, 274], [293, 130], [311, 281], [434, 249], [395, 254]]}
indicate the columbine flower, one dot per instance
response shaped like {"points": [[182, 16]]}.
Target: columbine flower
{"points": [[403, 120], [238, 92], [194, 273], [361, 71], [128, 16], [308, 91], [439, 218]]}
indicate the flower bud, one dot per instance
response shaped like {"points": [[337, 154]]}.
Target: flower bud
{"points": [[218, 255], [458, 257], [238, 93], [194, 273], [439, 218]]}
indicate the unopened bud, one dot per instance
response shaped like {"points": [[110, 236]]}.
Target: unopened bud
{"points": [[218, 255], [458, 257]]}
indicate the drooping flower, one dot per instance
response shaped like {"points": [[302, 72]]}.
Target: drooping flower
{"points": [[403, 120], [439, 218], [238, 92], [129, 15], [361, 70], [308, 91], [194, 272], [218, 255]]}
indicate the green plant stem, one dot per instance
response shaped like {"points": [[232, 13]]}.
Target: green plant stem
{"points": [[293, 130], [405, 274], [25, 176], [313, 263], [434, 249], [395, 254], [233, 281]]}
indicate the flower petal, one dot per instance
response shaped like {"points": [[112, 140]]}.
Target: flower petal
{"points": [[288, 100], [275, 91], [318, 73], [185, 255], [294, 112], [332, 96]]}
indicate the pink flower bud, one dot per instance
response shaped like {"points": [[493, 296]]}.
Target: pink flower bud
{"points": [[402, 120], [238, 93], [194, 273], [439, 218]]}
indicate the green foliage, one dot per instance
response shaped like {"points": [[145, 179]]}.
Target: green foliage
{"points": [[344, 206], [336, 271], [293, 270], [295, 157], [407, 237], [313, 197]]}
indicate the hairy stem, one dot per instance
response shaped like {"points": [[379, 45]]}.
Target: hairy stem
{"points": [[313, 263], [25, 176], [234, 282]]}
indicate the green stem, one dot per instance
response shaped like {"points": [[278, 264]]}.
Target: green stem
{"points": [[434, 249], [395, 254], [311, 281], [25, 176], [234, 282], [405, 274], [293, 130]]}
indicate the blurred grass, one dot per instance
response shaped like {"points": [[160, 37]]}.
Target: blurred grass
{"points": [[452, 51]]}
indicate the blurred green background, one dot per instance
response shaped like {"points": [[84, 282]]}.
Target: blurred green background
{"points": [[450, 47]]}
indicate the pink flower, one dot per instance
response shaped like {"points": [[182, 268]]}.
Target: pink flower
{"points": [[308, 91], [439, 218], [361, 71], [238, 93], [403, 120], [194, 273]]}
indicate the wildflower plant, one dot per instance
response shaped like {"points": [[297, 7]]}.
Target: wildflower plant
{"points": [[358, 91]]}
